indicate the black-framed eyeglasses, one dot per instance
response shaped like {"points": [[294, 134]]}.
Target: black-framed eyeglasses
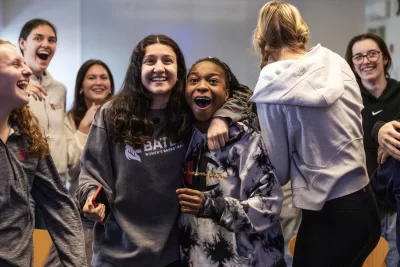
{"points": [[372, 56]]}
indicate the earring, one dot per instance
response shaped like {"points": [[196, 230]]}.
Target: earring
{"points": [[109, 92], [80, 92]]}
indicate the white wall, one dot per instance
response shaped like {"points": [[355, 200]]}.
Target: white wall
{"points": [[109, 29], [333, 23], [207, 27], [1, 17], [391, 36], [65, 15], [201, 28]]}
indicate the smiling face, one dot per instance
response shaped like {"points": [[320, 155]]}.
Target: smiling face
{"points": [[96, 85], [14, 78], [159, 72], [206, 89], [369, 70], [39, 48]]}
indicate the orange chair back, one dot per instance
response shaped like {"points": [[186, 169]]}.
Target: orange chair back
{"points": [[41, 247]]}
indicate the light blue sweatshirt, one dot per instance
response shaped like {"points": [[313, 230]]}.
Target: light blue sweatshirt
{"points": [[310, 115]]}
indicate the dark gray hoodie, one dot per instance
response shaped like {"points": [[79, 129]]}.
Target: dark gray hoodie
{"points": [[140, 184]]}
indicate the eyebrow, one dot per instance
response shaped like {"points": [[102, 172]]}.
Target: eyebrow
{"points": [[214, 73], [209, 74], [153, 55], [97, 74], [359, 53], [41, 35], [15, 59]]}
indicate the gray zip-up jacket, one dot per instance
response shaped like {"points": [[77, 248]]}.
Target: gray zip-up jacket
{"points": [[22, 173], [239, 223]]}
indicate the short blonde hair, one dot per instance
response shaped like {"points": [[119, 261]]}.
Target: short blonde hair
{"points": [[280, 26]]}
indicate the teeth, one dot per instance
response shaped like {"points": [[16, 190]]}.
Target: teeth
{"points": [[202, 98], [43, 53], [368, 69], [158, 79], [22, 84]]}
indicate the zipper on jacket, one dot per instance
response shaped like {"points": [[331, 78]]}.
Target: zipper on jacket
{"points": [[45, 110], [47, 116]]}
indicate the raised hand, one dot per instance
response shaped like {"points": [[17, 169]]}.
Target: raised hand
{"points": [[36, 90]]}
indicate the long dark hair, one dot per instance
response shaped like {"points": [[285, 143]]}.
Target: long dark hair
{"points": [[79, 107], [381, 44], [131, 105], [33, 24]]}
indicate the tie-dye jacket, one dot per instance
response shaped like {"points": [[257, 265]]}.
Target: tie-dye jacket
{"points": [[239, 222]]}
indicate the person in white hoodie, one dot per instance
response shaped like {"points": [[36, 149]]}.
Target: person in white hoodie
{"points": [[309, 107], [38, 42]]}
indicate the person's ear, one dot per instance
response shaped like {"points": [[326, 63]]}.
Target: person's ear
{"points": [[227, 92], [22, 44], [385, 61]]}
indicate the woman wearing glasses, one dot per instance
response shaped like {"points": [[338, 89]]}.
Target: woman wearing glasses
{"points": [[370, 60]]}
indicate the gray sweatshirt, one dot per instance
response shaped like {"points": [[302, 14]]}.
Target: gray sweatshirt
{"points": [[22, 173], [310, 117], [140, 184]]}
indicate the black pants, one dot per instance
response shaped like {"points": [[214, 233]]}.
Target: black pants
{"points": [[342, 234], [175, 264], [395, 172]]}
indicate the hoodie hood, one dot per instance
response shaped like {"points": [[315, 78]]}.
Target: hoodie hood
{"points": [[314, 80]]}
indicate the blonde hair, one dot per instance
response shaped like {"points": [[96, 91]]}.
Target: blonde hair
{"points": [[2, 42], [28, 124], [280, 26]]}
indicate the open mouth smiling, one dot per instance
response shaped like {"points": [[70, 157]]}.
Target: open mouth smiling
{"points": [[22, 84], [202, 101], [43, 55]]}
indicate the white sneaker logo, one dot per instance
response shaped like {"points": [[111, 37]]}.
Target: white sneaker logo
{"points": [[131, 153], [375, 113]]}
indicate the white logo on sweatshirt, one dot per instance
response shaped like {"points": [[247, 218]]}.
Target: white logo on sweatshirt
{"points": [[377, 112], [131, 153]]}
